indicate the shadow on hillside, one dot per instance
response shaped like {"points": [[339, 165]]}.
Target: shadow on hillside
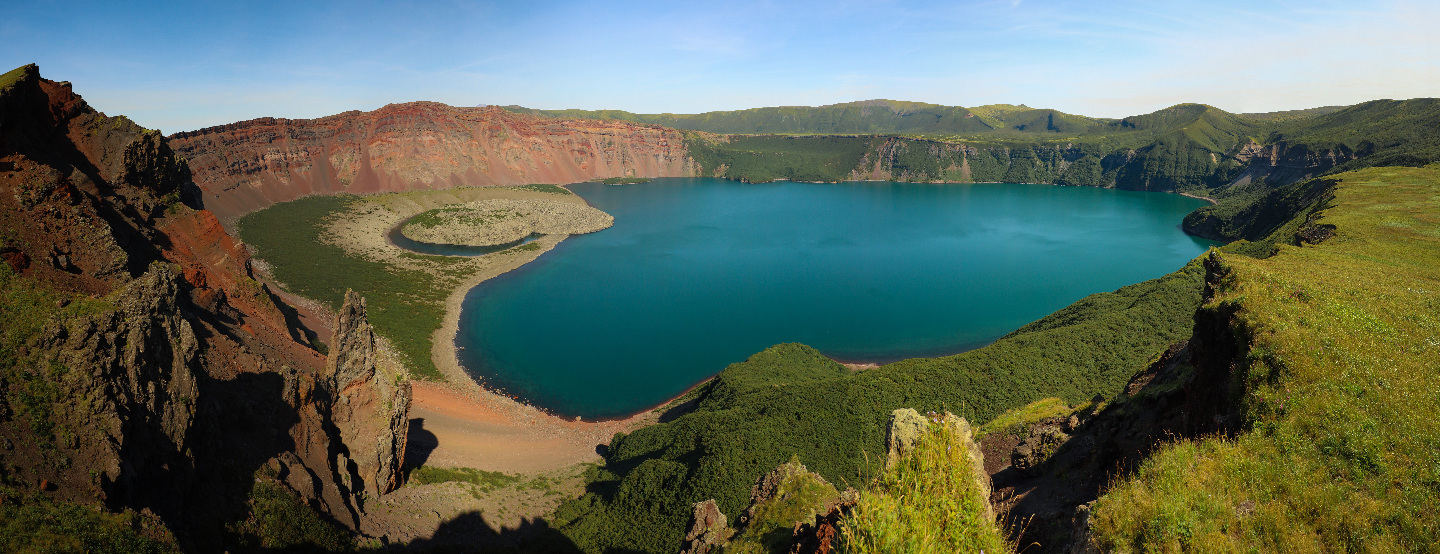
{"points": [[419, 445], [469, 532], [679, 410]]}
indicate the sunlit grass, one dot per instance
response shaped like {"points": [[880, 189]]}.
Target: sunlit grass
{"points": [[1341, 392], [1034, 412], [927, 502]]}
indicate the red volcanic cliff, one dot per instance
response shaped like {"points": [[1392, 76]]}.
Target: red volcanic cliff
{"points": [[142, 368], [245, 166]]}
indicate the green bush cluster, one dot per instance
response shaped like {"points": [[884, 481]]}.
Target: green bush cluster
{"points": [[485, 480], [32, 522], [281, 521], [624, 180], [552, 189]]}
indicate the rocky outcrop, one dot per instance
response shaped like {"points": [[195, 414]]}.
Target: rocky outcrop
{"points": [[709, 531], [907, 427], [142, 367], [135, 369], [151, 164], [1281, 163], [246, 166], [371, 407], [1030, 454]]}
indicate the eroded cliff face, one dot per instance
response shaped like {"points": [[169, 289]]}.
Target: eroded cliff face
{"points": [[129, 377], [246, 166], [371, 406], [141, 366], [1282, 164]]}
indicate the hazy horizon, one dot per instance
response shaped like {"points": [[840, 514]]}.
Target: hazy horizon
{"points": [[177, 67]]}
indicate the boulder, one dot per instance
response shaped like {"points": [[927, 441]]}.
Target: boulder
{"points": [[709, 530]]}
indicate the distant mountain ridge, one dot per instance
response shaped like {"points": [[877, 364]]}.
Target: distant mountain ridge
{"points": [[866, 116], [1193, 148], [882, 116]]}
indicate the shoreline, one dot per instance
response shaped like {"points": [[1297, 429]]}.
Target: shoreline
{"points": [[474, 426], [456, 421], [1212, 201]]}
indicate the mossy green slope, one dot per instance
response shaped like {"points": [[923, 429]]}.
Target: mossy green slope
{"points": [[1340, 448], [790, 400], [927, 502]]}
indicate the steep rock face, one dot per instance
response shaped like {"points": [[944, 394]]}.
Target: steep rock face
{"points": [[1281, 163], [245, 166], [135, 367], [141, 367], [353, 422], [371, 407]]}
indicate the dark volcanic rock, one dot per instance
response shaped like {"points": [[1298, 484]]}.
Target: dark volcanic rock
{"points": [[709, 531]]}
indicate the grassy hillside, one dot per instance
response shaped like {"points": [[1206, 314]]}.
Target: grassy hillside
{"points": [[1340, 449], [1380, 132], [867, 117], [758, 159], [1188, 147], [791, 401]]}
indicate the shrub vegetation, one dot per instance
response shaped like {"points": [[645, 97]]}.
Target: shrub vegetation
{"points": [[790, 400]]}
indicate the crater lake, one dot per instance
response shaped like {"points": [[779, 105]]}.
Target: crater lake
{"points": [[700, 273]]}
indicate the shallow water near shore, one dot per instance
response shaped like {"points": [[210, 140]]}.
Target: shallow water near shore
{"points": [[700, 273]]}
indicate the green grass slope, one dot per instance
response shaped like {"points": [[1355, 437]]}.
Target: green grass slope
{"points": [[927, 502], [1379, 133], [790, 400], [1188, 147], [1337, 384], [868, 116]]}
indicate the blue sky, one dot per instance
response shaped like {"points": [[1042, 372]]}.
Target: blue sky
{"points": [[185, 65]]}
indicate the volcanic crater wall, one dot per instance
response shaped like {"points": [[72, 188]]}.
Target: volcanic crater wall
{"points": [[245, 166]]}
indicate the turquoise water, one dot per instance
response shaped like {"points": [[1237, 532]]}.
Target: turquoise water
{"points": [[697, 274]]}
